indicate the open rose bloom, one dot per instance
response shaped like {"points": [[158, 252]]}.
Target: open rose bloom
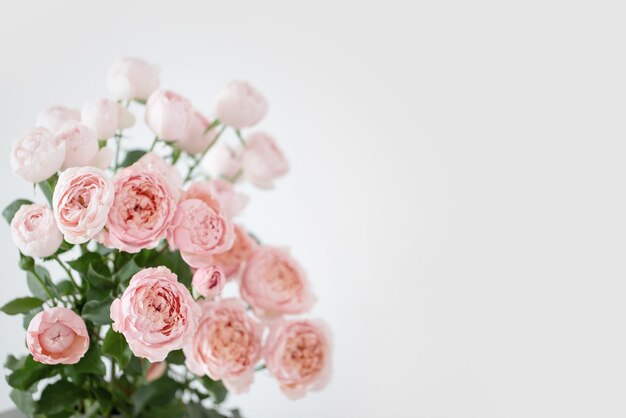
{"points": [[155, 286]]}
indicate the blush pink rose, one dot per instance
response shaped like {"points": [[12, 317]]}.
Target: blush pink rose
{"points": [[57, 336], [200, 228], [274, 284], [223, 161], [37, 156], [240, 105], [154, 163], [263, 161], [35, 232], [197, 139], [234, 259], [142, 211], [209, 281], [81, 146], [105, 117], [81, 202], [298, 355], [54, 117], [155, 313], [169, 115], [232, 201], [226, 345], [132, 78], [156, 370]]}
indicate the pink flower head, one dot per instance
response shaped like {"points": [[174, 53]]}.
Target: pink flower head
{"points": [[151, 161], [298, 355], [156, 370], [35, 232], [240, 105], [81, 146], [263, 161], [209, 281], [169, 115], [54, 117], [57, 336], [132, 78], [223, 161], [156, 313], [200, 227], [105, 116], [37, 156], [274, 284], [232, 201], [142, 211], [81, 202], [226, 346], [197, 139], [234, 259]]}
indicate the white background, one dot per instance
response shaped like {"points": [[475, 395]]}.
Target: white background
{"points": [[456, 192]]}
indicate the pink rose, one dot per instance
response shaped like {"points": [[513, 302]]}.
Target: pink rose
{"points": [[132, 78], [200, 227], [169, 115], [35, 232], [81, 202], [223, 161], [156, 314], [142, 211], [196, 139], [209, 281], [37, 156], [240, 105], [274, 284], [298, 355], [154, 163], [106, 116], [156, 370], [81, 144], [263, 161], [232, 202], [226, 345], [234, 259], [57, 336], [56, 116]]}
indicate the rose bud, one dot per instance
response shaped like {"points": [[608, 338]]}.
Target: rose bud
{"points": [[37, 156], [232, 201], [35, 232], [169, 115], [105, 117], [197, 139], [298, 356], [209, 281], [240, 105], [223, 161], [81, 144], [57, 336], [132, 78], [263, 161], [56, 116]]}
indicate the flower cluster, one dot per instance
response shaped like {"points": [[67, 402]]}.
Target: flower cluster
{"points": [[151, 247]]}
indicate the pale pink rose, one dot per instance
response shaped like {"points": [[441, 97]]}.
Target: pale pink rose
{"points": [[156, 370], [54, 117], [153, 162], [81, 202], [200, 228], [240, 105], [209, 281], [226, 345], [197, 139], [234, 259], [263, 161], [298, 355], [156, 314], [232, 201], [274, 284], [223, 161], [57, 336], [35, 232], [169, 115], [132, 78], [81, 144], [142, 211], [37, 156], [105, 117]]}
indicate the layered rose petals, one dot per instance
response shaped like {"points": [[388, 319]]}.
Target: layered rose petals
{"points": [[233, 260], [34, 231]]}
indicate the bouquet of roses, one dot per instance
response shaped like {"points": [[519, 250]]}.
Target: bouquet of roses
{"points": [[138, 324]]}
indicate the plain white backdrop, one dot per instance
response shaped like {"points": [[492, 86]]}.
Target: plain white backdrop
{"points": [[456, 193]]}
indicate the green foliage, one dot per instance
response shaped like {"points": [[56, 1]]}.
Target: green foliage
{"points": [[98, 311], [115, 345], [91, 363], [21, 305], [47, 187], [132, 157], [9, 212], [59, 397], [216, 389], [29, 373]]}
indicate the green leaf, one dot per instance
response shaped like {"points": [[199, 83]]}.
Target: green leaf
{"points": [[35, 286], [65, 287], [159, 392], [14, 363], [82, 263], [176, 357], [47, 187], [115, 345], [29, 317], [216, 389], [105, 401], [170, 259], [30, 373], [126, 272], [59, 396], [9, 212], [91, 363], [24, 401], [21, 305], [98, 311], [99, 280], [132, 157]]}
